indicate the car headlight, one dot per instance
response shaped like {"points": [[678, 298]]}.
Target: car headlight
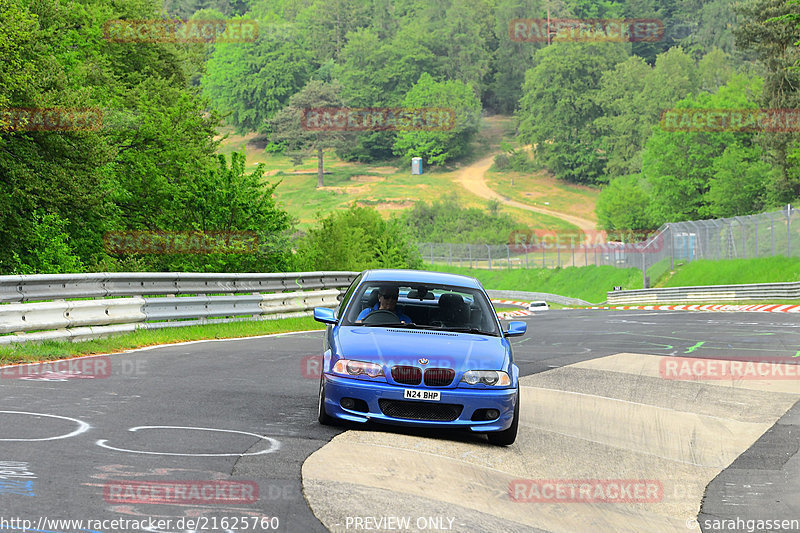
{"points": [[493, 378], [345, 367]]}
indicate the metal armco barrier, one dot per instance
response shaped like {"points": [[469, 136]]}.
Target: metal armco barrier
{"points": [[105, 284], [711, 293], [155, 303]]}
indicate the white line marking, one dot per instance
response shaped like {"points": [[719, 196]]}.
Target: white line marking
{"points": [[82, 427], [274, 444], [144, 348]]}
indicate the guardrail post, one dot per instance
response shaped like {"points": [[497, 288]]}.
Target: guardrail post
{"points": [[788, 230], [772, 232], [490, 256], [755, 235], [671, 247], [508, 257]]}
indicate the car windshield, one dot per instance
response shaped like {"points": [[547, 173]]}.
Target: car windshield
{"points": [[445, 307]]}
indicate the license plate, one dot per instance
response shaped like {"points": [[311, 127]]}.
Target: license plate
{"points": [[427, 395]]}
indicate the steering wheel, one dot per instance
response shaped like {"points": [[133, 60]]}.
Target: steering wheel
{"points": [[381, 316]]}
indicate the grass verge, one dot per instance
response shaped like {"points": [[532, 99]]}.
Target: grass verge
{"points": [[734, 271], [587, 283], [51, 350]]}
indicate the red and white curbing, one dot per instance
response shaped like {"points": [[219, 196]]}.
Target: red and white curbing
{"points": [[510, 314], [758, 308]]}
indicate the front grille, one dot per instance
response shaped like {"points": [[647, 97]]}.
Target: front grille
{"points": [[439, 377], [440, 412], [407, 375]]}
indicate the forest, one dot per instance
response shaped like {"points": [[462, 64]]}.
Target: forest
{"points": [[590, 109]]}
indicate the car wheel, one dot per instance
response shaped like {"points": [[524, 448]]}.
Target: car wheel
{"points": [[508, 436], [322, 415]]}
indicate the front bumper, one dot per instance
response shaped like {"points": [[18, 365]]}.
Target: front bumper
{"points": [[371, 392]]}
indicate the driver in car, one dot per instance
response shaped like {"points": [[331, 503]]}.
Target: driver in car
{"points": [[387, 300]]}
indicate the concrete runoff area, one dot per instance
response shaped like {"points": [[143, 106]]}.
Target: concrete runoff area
{"points": [[606, 420]]}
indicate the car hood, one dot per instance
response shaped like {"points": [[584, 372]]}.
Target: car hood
{"points": [[389, 347]]}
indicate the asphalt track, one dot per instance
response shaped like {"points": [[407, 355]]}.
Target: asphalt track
{"points": [[244, 410]]}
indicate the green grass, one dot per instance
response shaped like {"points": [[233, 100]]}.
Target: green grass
{"points": [[735, 271], [388, 186], [50, 350], [587, 283], [542, 190]]}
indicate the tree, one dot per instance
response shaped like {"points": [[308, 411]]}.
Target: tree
{"points": [[251, 81], [559, 106], [679, 166], [740, 181], [226, 198], [624, 205], [17, 30], [511, 58], [632, 97], [767, 30], [624, 124], [326, 23], [291, 130], [714, 70], [356, 239], [438, 147], [456, 31]]}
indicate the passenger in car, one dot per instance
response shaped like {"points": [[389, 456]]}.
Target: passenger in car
{"points": [[387, 300], [453, 310]]}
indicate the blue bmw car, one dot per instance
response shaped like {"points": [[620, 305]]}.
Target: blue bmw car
{"points": [[423, 349]]}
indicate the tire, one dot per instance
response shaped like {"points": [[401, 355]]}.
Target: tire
{"points": [[507, 436], [322, 415]]}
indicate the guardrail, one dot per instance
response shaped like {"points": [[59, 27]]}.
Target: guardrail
{"points": [[709, 293], [128, 301]]}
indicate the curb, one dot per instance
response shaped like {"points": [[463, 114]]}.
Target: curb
{"points": [[511, 314], [759, 308]]}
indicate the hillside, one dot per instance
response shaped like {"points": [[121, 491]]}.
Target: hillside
{"points": [[390, 189]]}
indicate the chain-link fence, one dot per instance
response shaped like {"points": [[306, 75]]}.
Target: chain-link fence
{"points": [[763, 235]]}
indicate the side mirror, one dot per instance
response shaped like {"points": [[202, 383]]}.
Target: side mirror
{"points": [[325, 315], [515, 329]]}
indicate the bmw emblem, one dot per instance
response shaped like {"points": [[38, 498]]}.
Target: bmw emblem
{"points": [[423, 361]]}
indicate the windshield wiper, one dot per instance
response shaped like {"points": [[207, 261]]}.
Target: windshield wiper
{"points": [[469, 330]]}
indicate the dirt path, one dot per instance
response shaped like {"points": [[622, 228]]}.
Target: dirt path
{"points": [[472, 178]]}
